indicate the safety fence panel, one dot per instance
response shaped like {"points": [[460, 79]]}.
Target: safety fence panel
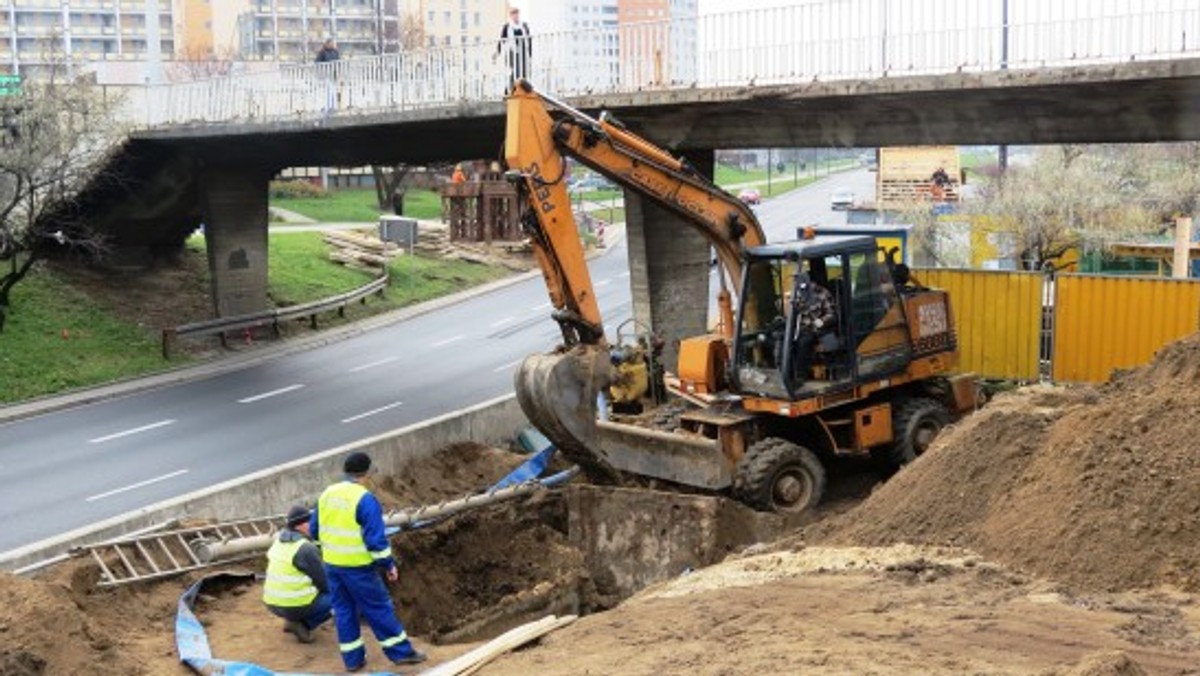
{"points": [[998, 316], [1104, 323]]}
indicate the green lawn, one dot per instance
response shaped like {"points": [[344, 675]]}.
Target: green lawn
{"points": [[359, 205], [57, 339]]}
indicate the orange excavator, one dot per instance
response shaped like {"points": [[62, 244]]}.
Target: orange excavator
{"points": [[749, 415]]}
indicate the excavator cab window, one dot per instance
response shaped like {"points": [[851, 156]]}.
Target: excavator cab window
{"points": [[876, 318], [762, 322]]}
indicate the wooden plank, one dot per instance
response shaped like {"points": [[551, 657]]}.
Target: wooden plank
{"points": [[470, 662]]}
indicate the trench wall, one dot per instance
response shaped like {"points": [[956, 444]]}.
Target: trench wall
{"points": [[270, 491]]}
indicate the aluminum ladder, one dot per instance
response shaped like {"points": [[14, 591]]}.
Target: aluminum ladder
{"points": [[157, 555]]}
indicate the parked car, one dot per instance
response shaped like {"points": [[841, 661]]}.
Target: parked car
{"points": [[841, 200], [590, 183], [750, 196]]}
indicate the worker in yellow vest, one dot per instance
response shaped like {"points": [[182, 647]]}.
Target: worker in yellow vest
{"points": [[295, 588], [348, 522]]}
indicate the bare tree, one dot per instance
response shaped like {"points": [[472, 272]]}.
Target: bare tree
{"points": [[198, 63], [1071, 196], [57, 136], [388, 182], [412, 32]]}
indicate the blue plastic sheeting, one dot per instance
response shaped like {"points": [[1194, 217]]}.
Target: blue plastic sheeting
{"points": [[192, 642], [532, 440], [530, 469]]}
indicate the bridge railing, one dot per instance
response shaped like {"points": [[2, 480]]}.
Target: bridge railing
{"points": [[816, 41]]}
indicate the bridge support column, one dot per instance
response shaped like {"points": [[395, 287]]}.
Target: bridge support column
{"points": [[668, 269], [235, 229]]}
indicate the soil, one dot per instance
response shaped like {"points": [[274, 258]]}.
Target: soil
{"points": [[1055, 532], [1095, 488]]}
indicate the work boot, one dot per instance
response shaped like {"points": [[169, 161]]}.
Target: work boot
{"points": [[300, 631], [416, 657]]}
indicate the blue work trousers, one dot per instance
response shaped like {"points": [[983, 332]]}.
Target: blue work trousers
{"points": [[362, 591], [312, 616]]}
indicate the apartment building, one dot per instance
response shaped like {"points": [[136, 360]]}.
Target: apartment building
{"points": [[293, 30], [589, 56], [443, 23], [36, 35], [653, 51]]}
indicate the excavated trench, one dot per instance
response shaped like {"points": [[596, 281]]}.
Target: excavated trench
{"points": [[576, 550]]}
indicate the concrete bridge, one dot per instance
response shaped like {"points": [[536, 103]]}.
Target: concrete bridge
{"points": [[207, 150]]}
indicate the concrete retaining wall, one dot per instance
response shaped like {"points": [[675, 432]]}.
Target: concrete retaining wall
{"points": [[272, 490], [631, 539]]}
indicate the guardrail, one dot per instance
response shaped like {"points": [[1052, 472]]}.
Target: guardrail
{"points": [[222, 325]]}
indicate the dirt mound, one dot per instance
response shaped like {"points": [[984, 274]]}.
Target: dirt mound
{"points": [[61, 625], [1092, 488], [1112, 663]]}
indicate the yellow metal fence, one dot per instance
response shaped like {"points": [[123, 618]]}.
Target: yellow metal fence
{"points": [[998, 318], [1106, 323], [1083, 327]]}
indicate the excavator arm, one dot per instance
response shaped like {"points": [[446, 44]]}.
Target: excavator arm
{"points": [[541, 131], [558, 391]]}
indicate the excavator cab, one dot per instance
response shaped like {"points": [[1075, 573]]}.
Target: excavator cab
{"points": [[776, 356]]}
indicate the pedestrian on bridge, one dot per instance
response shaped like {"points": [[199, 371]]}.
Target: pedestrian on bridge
{"points": [[348, 522], [517, 44], [296, 589], [328, 52]]}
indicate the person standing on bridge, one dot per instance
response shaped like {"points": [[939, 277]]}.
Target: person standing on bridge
{"points": [[517, 44], [296, 589], [329, 54], [348, 522]]}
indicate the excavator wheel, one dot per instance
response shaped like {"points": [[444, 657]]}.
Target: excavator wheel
{"points": [[777, 475], [917, 423]]}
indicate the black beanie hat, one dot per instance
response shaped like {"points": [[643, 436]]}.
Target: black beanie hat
{"points": [[357, 464], [297, 515]]}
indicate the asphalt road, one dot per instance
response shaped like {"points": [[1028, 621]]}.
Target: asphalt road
{"points": [[66, 469]]}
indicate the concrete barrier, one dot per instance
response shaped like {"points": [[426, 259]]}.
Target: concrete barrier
{"points": [[270, 491]]}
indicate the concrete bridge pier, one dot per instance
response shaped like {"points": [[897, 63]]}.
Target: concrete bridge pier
{"points": [[668, 268], [235, 229]]}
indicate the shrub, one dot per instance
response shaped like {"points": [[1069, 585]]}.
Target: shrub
{"points": [[296, 189]]}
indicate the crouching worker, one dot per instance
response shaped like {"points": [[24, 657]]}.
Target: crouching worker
{"points": [[349, 524], [296, 589]]}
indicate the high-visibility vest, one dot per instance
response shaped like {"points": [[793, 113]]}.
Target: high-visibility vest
{"points": [[341, 536], [286, 586]]}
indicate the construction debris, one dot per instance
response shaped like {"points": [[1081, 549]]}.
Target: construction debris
{"points": [[360, 250]]}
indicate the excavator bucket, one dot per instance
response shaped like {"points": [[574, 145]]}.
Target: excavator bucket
{"points": [[557, 392]]}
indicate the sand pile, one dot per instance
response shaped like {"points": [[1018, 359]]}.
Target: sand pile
{"points": [[1095, 488]]}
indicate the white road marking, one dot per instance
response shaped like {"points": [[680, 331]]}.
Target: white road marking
{"points": [[373, 364], [502, 322], [118, 435], [372, 412], [272, 393], [624, 274], [505, 367], [603, 282], [543, 306], [139, 484], [447, 341]]}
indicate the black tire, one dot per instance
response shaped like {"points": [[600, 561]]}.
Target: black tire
{"points": [[916, 423], [777, 475]]}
